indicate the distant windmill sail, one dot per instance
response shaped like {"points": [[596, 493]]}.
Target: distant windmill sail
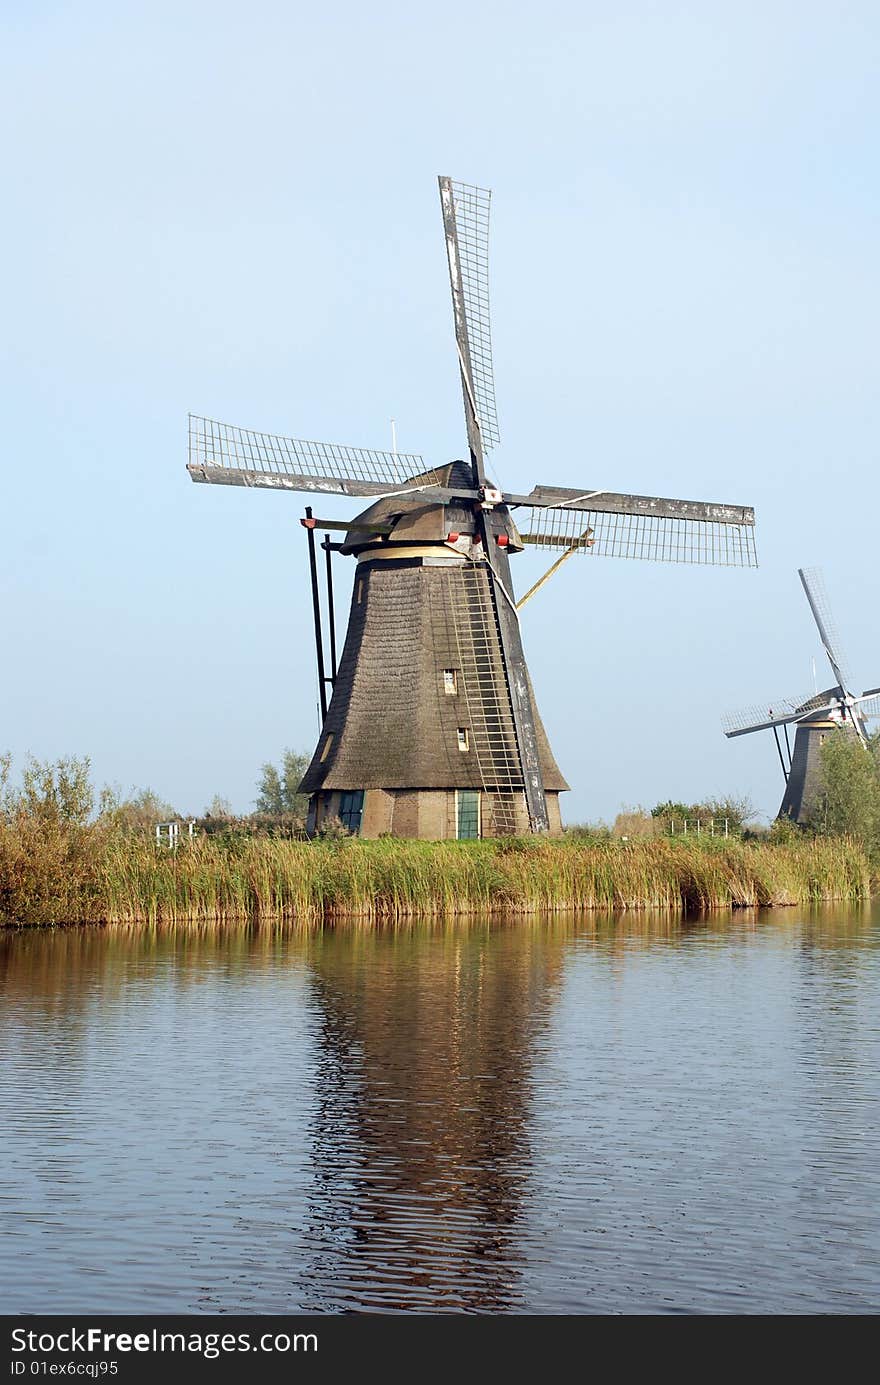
{"points": [[814, 585]]}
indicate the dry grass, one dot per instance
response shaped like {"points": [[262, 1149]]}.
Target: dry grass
{"points": [[55, 874]]}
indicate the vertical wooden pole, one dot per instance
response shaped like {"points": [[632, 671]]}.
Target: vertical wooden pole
{"points": [[779, 751], [316, 611], [331, 614]]}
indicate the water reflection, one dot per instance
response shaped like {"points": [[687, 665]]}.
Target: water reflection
{"points": [[420, 1138], [586, 1114]]}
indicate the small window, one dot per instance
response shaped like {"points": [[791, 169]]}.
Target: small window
{"points": [[351, 810], [467, 813], [360, 591], [464, 740], [327, 744], [450, 681]]}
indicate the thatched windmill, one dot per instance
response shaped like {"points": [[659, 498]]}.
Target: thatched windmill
{"points": [[814, 717], [432, 729]]}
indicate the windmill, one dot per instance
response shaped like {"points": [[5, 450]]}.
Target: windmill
{"points": [[432, 729], [835, 708]]}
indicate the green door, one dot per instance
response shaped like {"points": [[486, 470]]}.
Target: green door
{"points": [[468, 813]]}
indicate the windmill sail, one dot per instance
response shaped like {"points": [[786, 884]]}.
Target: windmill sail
{"points": [[779, 711], [466, 220], [466, 228], [632, 526], [222, 453], [814, 586], [486, 693]]}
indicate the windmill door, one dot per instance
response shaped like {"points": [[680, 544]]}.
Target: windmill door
{"points": [[467, 813]]}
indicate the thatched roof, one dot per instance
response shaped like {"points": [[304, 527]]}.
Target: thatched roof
{"points": [[413, 519]]}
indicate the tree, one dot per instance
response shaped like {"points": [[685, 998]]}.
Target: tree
{"points": [[849, 804], [277, 787]]}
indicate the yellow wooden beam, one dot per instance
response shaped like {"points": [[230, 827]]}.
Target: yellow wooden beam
{"points": [[581, 542]]}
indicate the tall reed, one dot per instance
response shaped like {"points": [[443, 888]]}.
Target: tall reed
{"points": [[94, 874]]}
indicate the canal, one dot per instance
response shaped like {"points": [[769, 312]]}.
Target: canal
{"points": [[640, 1115]]}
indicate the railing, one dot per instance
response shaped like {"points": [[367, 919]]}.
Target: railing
{"points": [[698, 827], [168, 833]]}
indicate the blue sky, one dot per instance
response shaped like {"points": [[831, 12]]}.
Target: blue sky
{"points": [[233, 210]]}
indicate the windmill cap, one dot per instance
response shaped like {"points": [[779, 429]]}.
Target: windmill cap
{"points": [[417, 520]]}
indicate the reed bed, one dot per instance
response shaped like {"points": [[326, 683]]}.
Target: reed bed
{"points": [[92, 875]]}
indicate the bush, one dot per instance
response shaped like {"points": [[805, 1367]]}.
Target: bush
{"points": [[140, 813], [46, 856], [636, 823], [588, 831], [736, 812]]}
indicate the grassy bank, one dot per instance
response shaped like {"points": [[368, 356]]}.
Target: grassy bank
{"points": [[52, 873]]}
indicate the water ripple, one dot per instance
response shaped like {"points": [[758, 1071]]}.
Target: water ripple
{"points": [[640, 1116]]}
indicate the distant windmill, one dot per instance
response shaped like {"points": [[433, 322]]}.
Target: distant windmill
{"points": [[835, 708], [432, 729]]}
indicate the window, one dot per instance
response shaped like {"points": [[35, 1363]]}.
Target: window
{"points": [[360, 591], [327, 744], [351, 810], [467, 813], [464, 740], [450, 681]]}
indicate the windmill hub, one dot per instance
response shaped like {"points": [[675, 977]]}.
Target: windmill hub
{"points": [[432, 728]]}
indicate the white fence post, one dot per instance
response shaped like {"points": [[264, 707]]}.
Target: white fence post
{"points": [[169, 832]]}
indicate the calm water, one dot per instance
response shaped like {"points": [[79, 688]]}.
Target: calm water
{"points": [[553, 1118]]}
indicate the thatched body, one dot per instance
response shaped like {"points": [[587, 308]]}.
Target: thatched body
{"points": [[420, 707], [806, 778]]}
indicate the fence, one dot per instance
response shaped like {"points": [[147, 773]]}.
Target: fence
{"points": [[168, 833], [697, 827]]}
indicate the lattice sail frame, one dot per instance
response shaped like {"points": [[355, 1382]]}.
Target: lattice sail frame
{"points": [[776, 712], [813, 582], [486, 695], [652, 537], [222, 446], [472, 206]]}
